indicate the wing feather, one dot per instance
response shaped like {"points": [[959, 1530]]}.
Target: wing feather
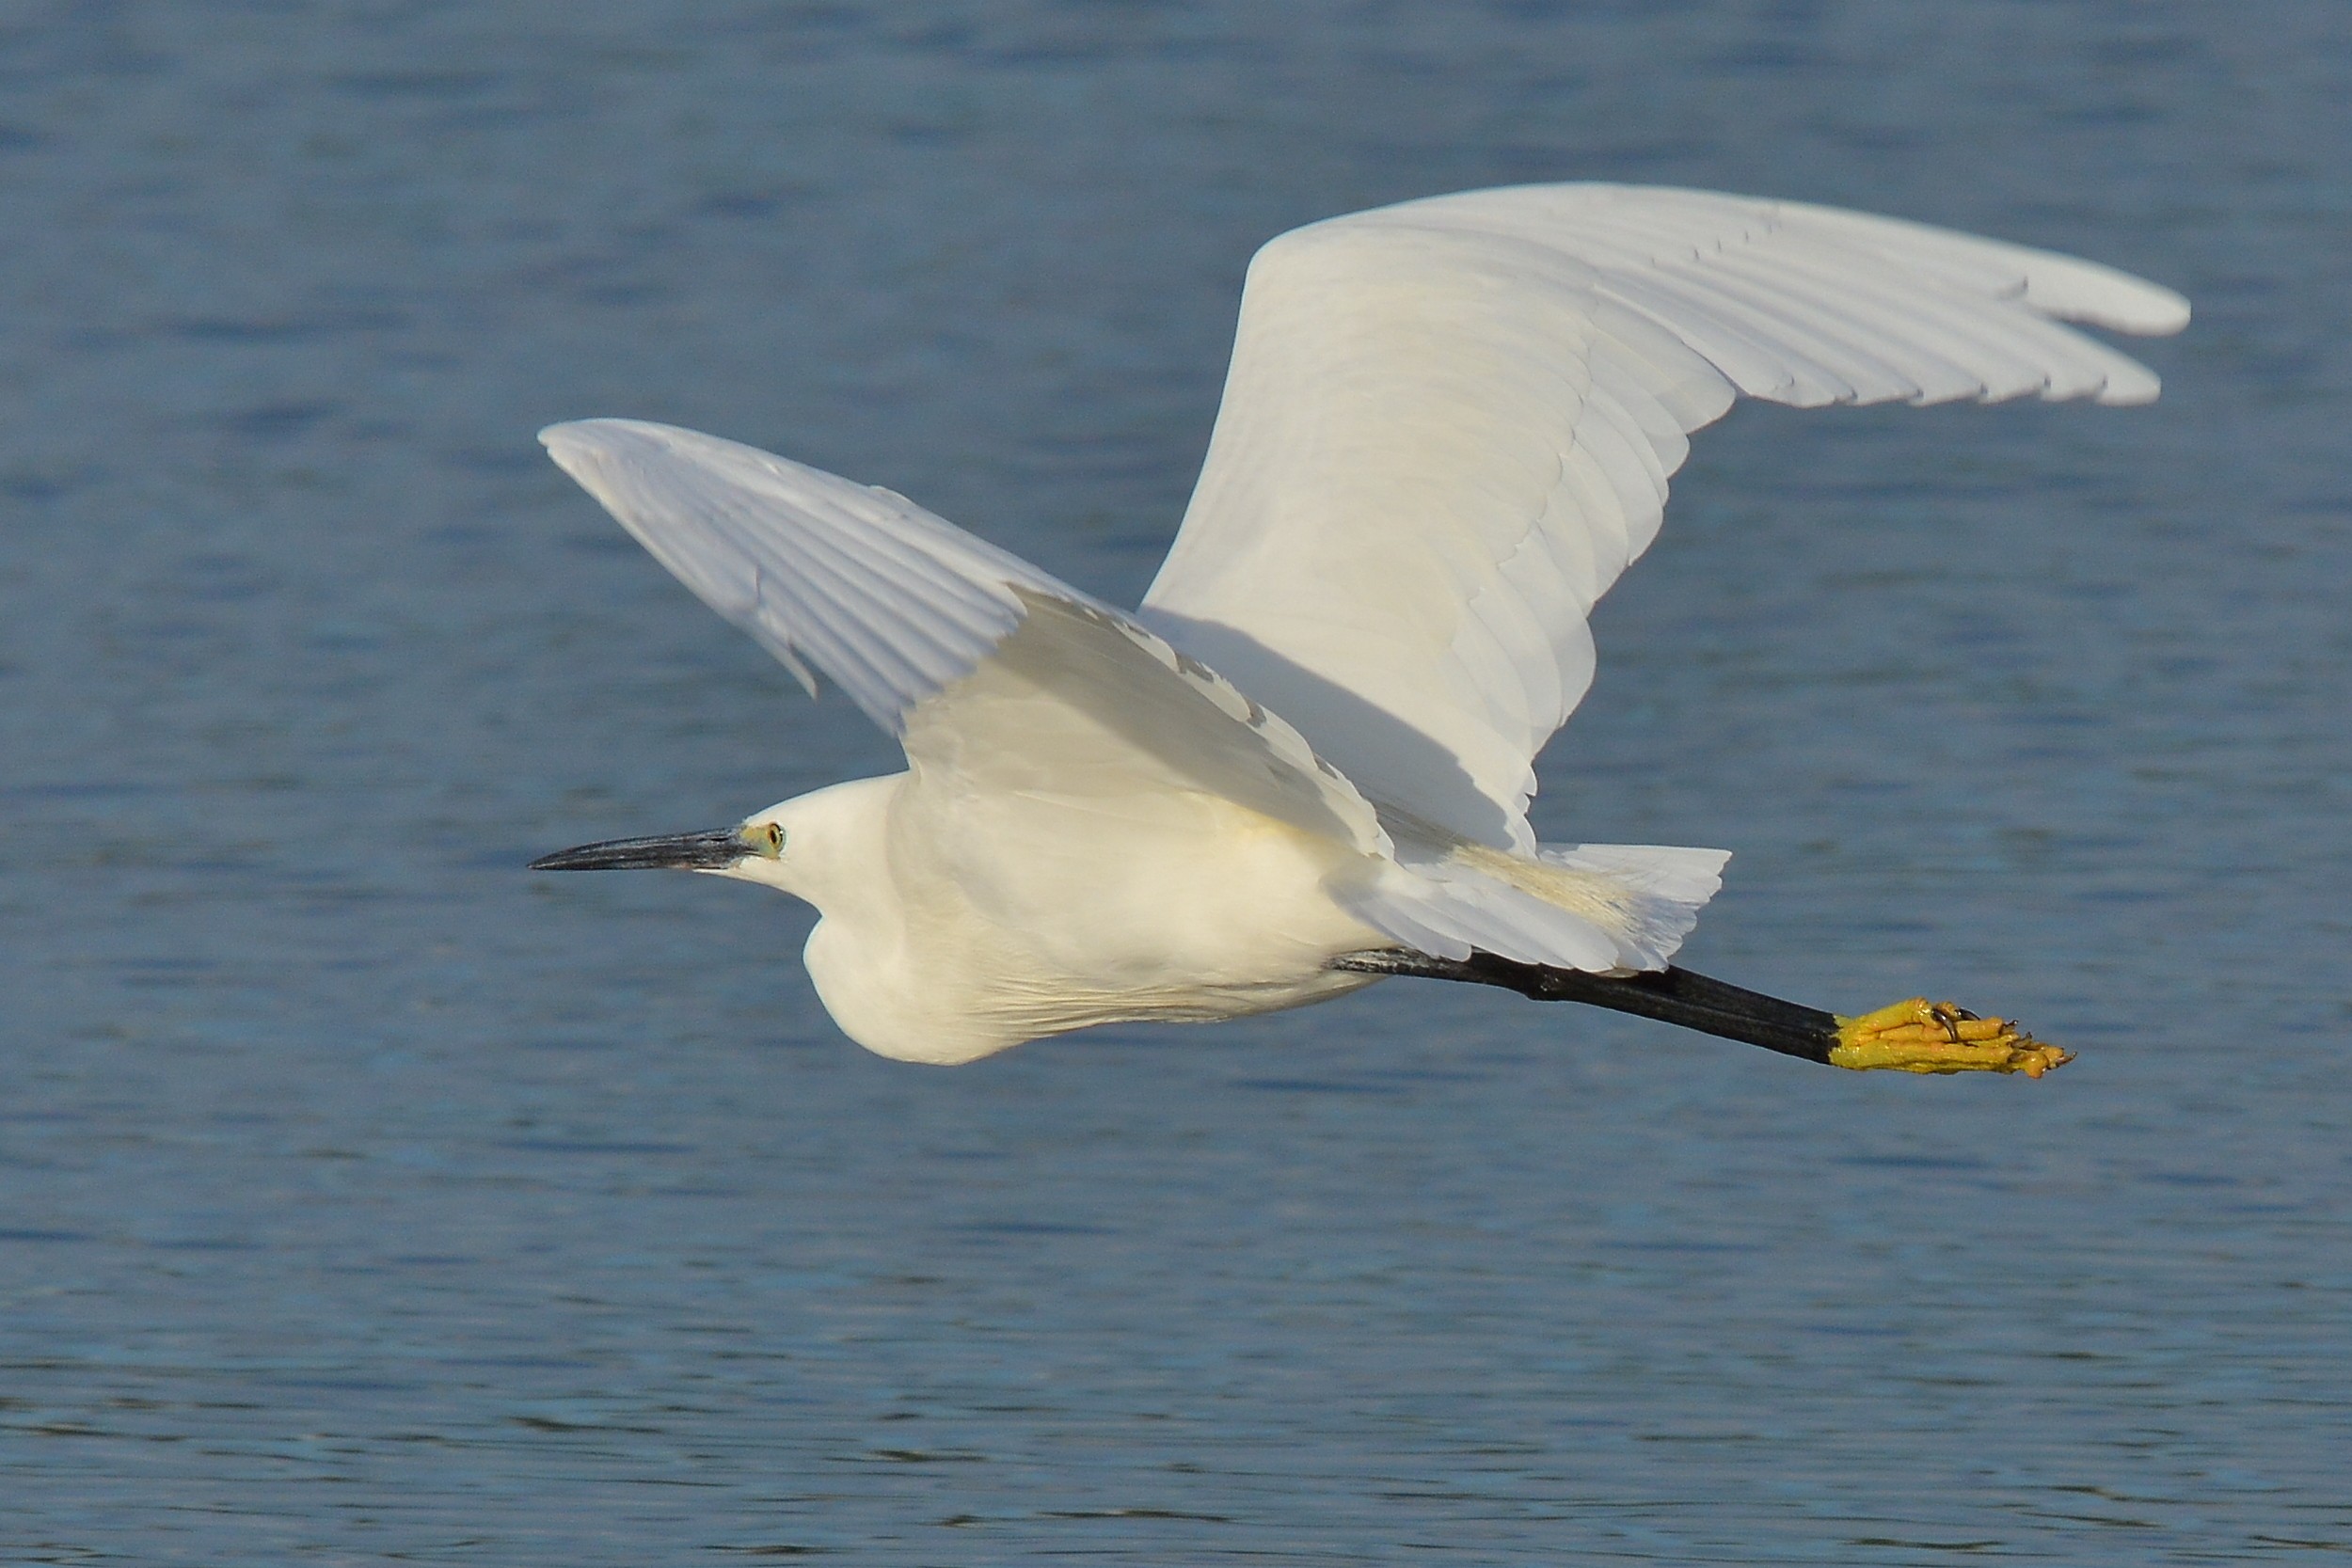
{"points": [[938, 636], [1450, 424]]}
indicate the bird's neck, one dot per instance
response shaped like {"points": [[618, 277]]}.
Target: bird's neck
{"points": [[863, 956]]}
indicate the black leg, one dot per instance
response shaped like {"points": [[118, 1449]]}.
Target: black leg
{"points": [[1670, 995], [1914, 1035]]}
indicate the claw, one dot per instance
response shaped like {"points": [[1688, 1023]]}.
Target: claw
{"points": [[1919, 1036]]}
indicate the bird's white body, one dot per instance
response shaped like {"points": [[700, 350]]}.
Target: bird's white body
{"points": [[1448, 428], [956, 923]]}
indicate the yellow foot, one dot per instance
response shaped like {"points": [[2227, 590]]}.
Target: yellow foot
{"points": [[1919, 1036]]}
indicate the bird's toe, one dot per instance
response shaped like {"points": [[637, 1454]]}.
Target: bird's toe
{"points": [[1919, 1036]]}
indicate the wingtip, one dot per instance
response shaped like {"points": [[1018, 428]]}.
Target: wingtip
{"points": [[2156, 311], [2130, 394], [566, 432], [2119, 301], [570, 441], [570, 436]]}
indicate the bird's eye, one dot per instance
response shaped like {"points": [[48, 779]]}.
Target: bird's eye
{"points": [[773, 837], [765, 838]]}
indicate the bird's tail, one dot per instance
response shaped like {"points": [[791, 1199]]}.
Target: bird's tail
{"points": [[1602, 908]]}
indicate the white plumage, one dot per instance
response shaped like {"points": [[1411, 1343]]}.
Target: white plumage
{"points": [[1448, 426]]}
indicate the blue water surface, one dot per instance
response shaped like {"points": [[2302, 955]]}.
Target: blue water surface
{"points": [[364, 1199]]}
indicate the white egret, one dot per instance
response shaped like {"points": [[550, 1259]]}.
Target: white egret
{"points": [[1304, 763]]}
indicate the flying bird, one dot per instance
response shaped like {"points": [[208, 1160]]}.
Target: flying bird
{"points": [[1303, 763]]}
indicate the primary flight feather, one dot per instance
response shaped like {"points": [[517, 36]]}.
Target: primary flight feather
{"points": [[1305, 761]]}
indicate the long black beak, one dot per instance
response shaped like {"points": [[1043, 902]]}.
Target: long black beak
{"points": [[714, 850]]}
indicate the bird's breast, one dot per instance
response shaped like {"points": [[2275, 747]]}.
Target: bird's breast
{"points": [[1016, 916]]}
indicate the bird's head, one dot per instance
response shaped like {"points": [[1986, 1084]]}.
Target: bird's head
{"points": [[803, 847]]}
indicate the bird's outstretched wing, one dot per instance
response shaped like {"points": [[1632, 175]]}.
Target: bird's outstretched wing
{"points": [[901, 608], [1449, 425]]}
